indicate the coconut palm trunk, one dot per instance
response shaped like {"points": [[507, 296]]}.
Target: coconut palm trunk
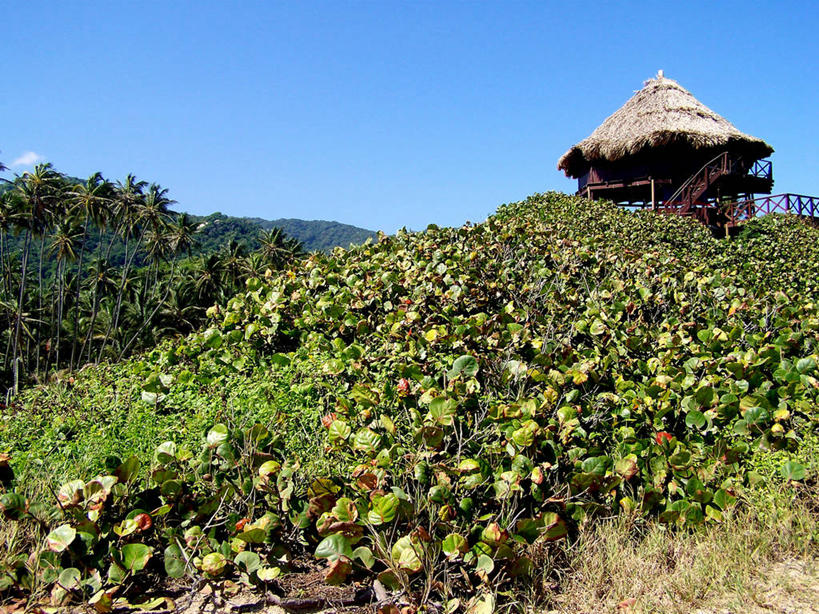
{"points": [[118, 306], [60, 304], [39, 301], [150, 317], [79, 288], [19, 321]]}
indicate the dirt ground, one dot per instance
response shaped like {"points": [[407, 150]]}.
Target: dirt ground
{"points": [[304, 592]]}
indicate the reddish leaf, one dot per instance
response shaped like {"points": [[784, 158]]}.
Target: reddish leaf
{"points": [[143, 521], [662, 437], [338, 570], [241, 524]]}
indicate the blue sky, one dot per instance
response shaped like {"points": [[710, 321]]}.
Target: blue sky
{"points": [[383, 114]]}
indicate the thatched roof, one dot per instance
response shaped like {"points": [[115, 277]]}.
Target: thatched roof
{"points": [[662, 113]]}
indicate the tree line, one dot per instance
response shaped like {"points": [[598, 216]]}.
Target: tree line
{"points": [[94, 270]]}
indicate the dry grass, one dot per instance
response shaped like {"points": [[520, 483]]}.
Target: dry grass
{"points": [[761, 558]]}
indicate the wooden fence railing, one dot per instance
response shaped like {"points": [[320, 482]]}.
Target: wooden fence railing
{"points": [[796, 204]]}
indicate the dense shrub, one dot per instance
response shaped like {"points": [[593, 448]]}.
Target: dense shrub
{"points": [[476, 390]]}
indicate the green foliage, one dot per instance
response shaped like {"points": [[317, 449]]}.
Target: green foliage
{"points": [[90, 270], [472, 391], [314, 235]]}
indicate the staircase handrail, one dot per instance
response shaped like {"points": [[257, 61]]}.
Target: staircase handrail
{"points": [[691, 179]]}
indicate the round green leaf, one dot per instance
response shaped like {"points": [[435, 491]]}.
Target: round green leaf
{"points": [[166, 452], [135, 556], [485, 564], [339, 431], [365, 555], [268, 574], [334, 546], [214, 563], [454, 545], [792, 471], [61, 538], [13, 505], [465, 364], [70, 578], [248, 561], [174, 561], [217, 435], [406, 555], [695, 418], [384, 509], [597, 327]]}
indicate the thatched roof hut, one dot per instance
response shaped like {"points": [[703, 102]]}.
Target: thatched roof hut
{"points": [[662, 118]]}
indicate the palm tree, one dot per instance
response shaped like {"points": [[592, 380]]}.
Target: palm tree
{"points": [[182, 234], [90, 200], [178, 236], [180, 313], [36, 194], [208, 277], [157, 250], [232, 258], [63, 244], [6, 220], [127, 197], [254, 265], [128, 200], [103, 284], [279, 249], [153, 211]]}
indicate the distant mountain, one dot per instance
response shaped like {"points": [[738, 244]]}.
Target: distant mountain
{"points": [[319, 234], [217, 229]]}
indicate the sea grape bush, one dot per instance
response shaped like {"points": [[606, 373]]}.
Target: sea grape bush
{"points": [[482, 388]]}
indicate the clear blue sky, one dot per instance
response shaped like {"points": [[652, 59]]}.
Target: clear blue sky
{"points": [[383, 114]]}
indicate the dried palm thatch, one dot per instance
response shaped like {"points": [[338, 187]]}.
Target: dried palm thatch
{"points": [[663, 113]]}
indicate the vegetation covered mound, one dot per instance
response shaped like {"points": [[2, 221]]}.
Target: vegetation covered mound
{"points": [[431, 403]]}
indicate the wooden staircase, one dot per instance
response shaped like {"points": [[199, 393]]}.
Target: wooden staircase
{"points": [[697, 198], [694, 188]]}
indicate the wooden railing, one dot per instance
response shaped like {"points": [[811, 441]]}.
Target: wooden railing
{"points": [[763, 169], [692, 190], [795, 204], [696, 185]]}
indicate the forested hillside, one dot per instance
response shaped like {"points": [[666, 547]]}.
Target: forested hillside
{"points": [[93, 270], [314, 235], [320, 234], [218, 229], [447, 412]]}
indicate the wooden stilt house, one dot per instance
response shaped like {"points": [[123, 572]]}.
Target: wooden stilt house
{"points": [[666, 150]]}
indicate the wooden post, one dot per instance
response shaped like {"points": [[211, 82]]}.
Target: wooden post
{"points": [[653, 199]]}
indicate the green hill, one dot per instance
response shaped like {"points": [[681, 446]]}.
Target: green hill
{"points": [[217, 230], [314, 235], [92, 271], [446, 411]]}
